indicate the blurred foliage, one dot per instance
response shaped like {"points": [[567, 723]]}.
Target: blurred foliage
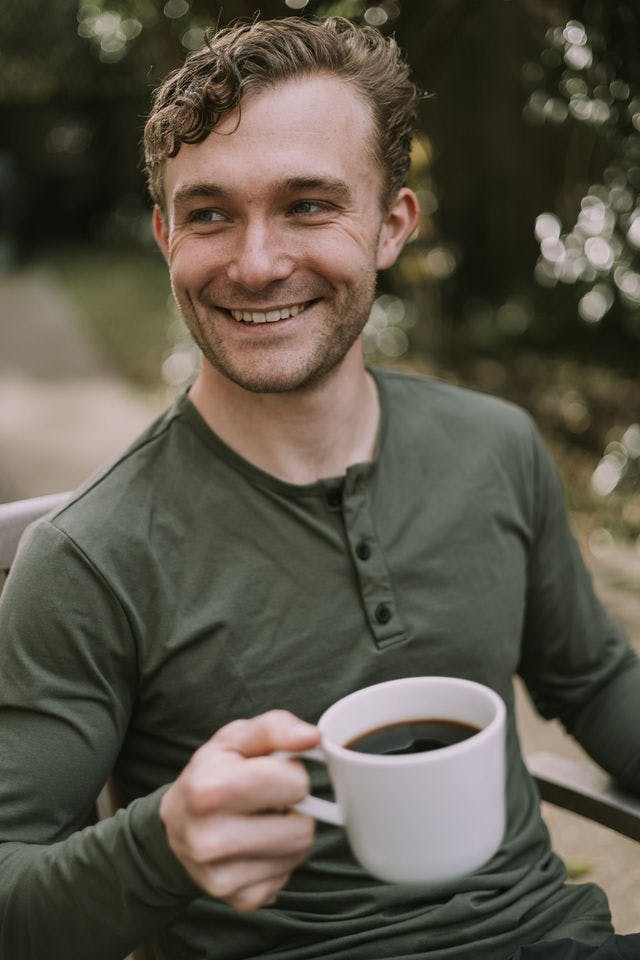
{"points": [[589, 74], [524, 278]]}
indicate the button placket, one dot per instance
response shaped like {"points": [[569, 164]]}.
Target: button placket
{"points": [[374, 581], [363, 550]]}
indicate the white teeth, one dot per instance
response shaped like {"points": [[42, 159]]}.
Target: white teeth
{"points": [[267, 316]]}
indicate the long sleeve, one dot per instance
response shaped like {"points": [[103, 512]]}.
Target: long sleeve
{"points": [[67, 684], [576, 662]]}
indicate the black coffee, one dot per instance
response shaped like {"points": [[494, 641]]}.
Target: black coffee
{"points": [[412, 736]]}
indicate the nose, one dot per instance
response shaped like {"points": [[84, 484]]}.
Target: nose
{"points": [[259, 257]]}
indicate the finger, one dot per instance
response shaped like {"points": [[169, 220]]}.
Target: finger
{"points": [[275, 730], [246, 786], [225, 837], [258, 895], [228, 882]]}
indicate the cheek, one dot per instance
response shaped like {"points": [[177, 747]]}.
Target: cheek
{"points": [[191, 263], [340, 254]]}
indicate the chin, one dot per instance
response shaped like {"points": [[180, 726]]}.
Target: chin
{"points": [[270, 382], [269, 378]]}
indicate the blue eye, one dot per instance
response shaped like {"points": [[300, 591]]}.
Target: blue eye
{"points": [[206, 216], [308, 206]]}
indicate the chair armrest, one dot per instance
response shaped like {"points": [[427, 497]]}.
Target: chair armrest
{"points": [[16, 516], [585, 789]]}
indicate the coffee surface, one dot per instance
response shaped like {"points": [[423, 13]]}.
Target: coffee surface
{"points": [[412, 736]]}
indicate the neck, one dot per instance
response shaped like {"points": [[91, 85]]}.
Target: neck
{"points": [[299, 436]]}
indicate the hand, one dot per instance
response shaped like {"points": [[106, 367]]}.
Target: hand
{"points": [[227, 818]]}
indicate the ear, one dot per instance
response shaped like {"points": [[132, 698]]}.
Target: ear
{"points": [[161, 232], [399, 222]]}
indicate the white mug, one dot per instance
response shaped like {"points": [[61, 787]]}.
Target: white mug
{"points": [[426, 817]]}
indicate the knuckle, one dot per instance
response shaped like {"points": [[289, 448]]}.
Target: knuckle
{"points": [[293, 776], [223, 885], [192, 791], [192, 843], [252, 898], [208, 792], [301, 833], [277, 716], [231, 732], [211, 845]]}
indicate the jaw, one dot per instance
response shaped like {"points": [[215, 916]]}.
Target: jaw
{"points": [[287, 355]]}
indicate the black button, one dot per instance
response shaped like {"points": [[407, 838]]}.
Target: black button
{"points": [[383, 613], [363, 550], [334, 498]]}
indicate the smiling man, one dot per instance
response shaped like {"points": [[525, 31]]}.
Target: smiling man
{"points": [[274, 229], [295, 527]]}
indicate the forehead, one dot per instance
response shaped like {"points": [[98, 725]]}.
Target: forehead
{"points": [[312, 127]]}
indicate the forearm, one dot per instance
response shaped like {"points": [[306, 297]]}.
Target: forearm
{"points": [[608, 725], [96, 894]]}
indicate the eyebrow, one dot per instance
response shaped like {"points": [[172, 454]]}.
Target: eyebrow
{"points": [[199, 191], [329, 186]]}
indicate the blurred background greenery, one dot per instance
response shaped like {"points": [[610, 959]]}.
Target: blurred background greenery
{"points": [[524, 279]]}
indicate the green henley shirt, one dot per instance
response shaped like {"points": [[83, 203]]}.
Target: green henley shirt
{"points": [[184, 587]]}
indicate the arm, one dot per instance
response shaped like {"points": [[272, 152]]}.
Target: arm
{"points": [[576, 662], [67, 685], [67, 682]]}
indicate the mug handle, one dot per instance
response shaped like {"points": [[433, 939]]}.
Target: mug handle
{"points": [[315, 807]]}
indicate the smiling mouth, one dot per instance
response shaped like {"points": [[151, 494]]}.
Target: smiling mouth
{"points": [[268, 316]]}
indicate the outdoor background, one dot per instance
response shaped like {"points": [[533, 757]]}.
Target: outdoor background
{"points": [[524, 279]]}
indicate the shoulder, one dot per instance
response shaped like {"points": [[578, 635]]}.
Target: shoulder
{"points": [[115, 508], [426, 402]]}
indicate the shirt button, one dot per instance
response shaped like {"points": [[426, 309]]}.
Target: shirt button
{"points": [[383, 613], [334, 498], [363, 550]]}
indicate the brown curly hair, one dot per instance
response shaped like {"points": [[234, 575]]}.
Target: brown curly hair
{"points": [[250, 56]]}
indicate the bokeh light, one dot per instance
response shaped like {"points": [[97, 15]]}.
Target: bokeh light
{"points": [[174, 9], [620, 462], [193, 38], [575, 80], [375, 16], [385, 334], [595, 303], [182, 360], [109, 30]]}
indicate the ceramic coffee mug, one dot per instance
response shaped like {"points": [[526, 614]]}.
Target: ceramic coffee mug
{"points": [[418, 817]]}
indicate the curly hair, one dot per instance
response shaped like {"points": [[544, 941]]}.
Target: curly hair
{"points": [[251, 56]]}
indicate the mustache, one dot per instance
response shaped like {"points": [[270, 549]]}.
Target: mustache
{"points": [[272, 295]]}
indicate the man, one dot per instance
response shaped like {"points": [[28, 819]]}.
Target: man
{"points": [[294, 528]]}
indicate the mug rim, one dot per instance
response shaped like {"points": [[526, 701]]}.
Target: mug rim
{"points": [[355, 756]]}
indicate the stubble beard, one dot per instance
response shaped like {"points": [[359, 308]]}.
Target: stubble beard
{"points": [[336, 339]]}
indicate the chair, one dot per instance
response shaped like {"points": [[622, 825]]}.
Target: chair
{"points": [[584, 788], [578, 786]]}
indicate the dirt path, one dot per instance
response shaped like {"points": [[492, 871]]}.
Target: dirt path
{"points": [[62, 411], [62, 414]]}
